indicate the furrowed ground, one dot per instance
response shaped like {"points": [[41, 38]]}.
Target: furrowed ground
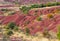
{"points": [[31, 23]]}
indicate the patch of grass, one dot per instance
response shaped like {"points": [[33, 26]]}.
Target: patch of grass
{"points": [[27, 31], [39, 19], [58, 33]]}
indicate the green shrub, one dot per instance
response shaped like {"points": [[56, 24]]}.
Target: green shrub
{"points": [[58, 33], [11, 25], [9, 32], [27, 30], [25, 9], [4, 9], [35, 6], [39, 19], [16, 28]]}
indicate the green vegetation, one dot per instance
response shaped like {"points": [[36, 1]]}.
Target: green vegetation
{"points": [[39, 19], [38, 5], [11, 25], [9, 32], [4, 9], [10, 28], [25, 9], [27, 31], [58, 34], [16, 28], [35, 6], [52, 4]]}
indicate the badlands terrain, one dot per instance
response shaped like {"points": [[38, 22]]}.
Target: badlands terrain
{"points": [[34, 22]]}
